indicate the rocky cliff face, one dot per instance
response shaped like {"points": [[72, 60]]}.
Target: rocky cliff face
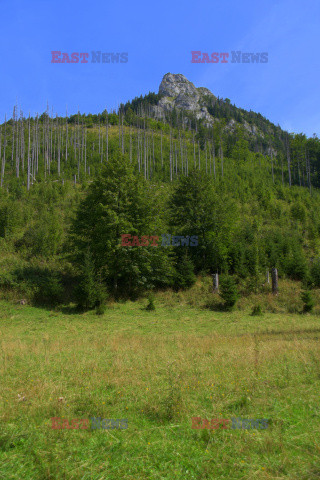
{"points": [[177, 92]]}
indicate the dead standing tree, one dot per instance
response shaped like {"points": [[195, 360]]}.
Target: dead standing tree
{"points": [[221, 157], [107, 136], [215, 283], [274, 275], [28, 171], [288, 158], [3, 163]]}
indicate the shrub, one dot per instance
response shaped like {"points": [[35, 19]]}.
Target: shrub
{"points": [[315, 272], [101, 309], [42, 285], [50, 291], [91, 291], [151, 305], [185, 276], [256, 310], [229, 291], [308, 302], [296, 266]]}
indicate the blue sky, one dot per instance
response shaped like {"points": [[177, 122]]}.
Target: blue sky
{"points": [[159, 38]]}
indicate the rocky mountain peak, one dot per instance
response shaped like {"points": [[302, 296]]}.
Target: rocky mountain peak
{"points": [[178, 92], [173, 85]]}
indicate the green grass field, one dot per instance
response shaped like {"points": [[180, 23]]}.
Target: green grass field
{"points": [[158, 369]]}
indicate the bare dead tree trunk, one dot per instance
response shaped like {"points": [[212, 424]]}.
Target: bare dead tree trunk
{"points": [[288, 158], [145, 152], [308, 172], [274, 274], [309, 176], [54, 136], [214, 159], [138, 147], [82, 143], [122, 136], [85, 150], [66, 136], [13, 132], [38, 146], [51, 126], [22, 140], [99, 136], [3, 163], [215, 283], [77, 144], [119, 120], [299, 176], [130, 144], [33, 152], [181, 151], [1, 149], [28, 170], [221, 158], [46, 145], [140, 140], [59, 146], [161, 152], [206, 157], [194, 152], [153, 150], [17, 148], [107, 136], [101, 159], [186, 160], [170, 155]]}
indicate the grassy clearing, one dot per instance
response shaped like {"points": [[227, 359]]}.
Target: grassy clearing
{"points": [[158, 369]]}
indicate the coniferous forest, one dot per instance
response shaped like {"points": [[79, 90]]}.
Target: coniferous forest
{"points": [[71, 186]]}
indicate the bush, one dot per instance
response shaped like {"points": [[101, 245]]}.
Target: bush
{"points": [[308, 302], [296, 266], [50, 291], [41, 285], [151, 305], [315, 272], [91, 291], [256, 310], [101, 309], [229, 291], [185, 276], [251, 284]]}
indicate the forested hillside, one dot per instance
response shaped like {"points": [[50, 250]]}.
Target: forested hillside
{"points": [[70, 187]]}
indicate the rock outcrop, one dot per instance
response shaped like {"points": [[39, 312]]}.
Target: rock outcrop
{"points": [[178, 92]]}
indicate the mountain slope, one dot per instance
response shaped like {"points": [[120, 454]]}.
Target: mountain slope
{"points": [[178, 97]]}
